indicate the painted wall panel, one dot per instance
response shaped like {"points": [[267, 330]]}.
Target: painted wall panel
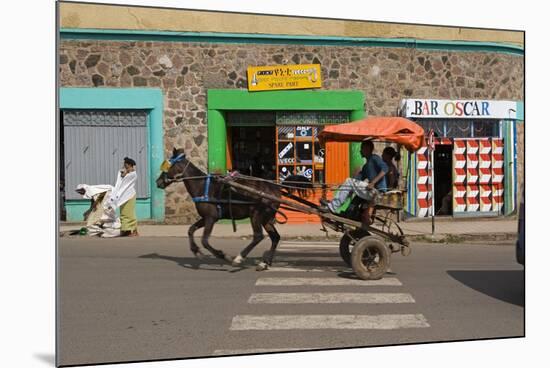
{"points": [[336, 162]]}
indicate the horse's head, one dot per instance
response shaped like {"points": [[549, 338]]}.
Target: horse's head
{"points": [[172, 168]]}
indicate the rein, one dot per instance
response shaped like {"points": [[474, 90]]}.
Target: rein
{"points": [[180, 178]]}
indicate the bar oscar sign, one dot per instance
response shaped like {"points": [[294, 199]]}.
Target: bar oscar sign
{"points": [[277, 77], [459, 109]]}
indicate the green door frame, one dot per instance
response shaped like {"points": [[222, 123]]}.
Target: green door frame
{"points": [[150, 99], [221, 100]]}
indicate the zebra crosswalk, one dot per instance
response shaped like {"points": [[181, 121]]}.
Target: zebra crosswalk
{"points": [[279, 290]]}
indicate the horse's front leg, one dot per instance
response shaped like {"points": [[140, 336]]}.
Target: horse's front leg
{"points": [[258, 236], [208, 226], [269, 255], [194, 247]]}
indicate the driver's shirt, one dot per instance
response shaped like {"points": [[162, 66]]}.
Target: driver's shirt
{"points": [[372, 168]]}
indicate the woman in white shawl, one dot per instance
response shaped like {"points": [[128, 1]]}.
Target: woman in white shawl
{"points": [[124, 196]]}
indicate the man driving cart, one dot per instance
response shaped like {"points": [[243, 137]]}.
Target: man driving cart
{"points": [[367, 184]]}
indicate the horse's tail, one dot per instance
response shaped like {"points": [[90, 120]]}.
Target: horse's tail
{"points": [[298, 184]]}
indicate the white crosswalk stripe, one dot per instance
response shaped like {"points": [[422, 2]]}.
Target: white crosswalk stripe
{"points": [[297, 252], [306, 269], [329, 298], [332, 321], [320, 245], [325, 281], [312, 258]]}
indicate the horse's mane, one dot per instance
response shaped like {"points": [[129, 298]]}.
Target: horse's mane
{"points": [[195, 171]]}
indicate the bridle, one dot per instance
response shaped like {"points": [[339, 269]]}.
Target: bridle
{"points": [[180, 176]]}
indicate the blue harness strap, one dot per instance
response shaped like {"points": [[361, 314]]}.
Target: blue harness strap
{"points": [[205, 197], [178, 158]]}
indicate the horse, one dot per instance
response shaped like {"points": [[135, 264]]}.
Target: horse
{"points": [[212, 201]]}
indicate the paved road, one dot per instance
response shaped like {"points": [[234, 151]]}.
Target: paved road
{"points": [[148, 298]]}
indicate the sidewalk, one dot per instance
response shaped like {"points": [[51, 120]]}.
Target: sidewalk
{"points": [[485, 229]]}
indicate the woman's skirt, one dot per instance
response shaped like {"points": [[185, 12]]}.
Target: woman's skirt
{"points": [[128, 219]]}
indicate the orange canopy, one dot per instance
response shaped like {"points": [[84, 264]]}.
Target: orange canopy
{"points": [[394, 129]]}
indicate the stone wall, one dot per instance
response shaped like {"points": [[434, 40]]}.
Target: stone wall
{"points": [[185, 71]]}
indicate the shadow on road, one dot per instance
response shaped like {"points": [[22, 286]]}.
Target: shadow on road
{"points": [[507, 286], [208, 262], [193, 262]]}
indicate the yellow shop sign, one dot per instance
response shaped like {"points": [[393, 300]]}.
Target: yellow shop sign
{"points": [[268, 78]]}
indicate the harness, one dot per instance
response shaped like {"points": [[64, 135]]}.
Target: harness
{"points": [[205, 197], [178, 158]]}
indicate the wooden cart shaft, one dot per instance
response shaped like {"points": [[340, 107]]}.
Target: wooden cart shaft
{"points": [[314, 211]]}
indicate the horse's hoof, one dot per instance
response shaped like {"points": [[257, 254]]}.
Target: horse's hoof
{"points": [[262, 266], [222, 255], [237, 261], [198, 255]]}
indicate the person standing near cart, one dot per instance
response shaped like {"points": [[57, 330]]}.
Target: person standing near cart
{"points": [[392, 176], [124, 196]]}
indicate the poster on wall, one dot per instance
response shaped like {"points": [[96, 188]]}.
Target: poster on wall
{"points": [[286, 153], [281, 77], [285, 171]]}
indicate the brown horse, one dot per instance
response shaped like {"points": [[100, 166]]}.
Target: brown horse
{"points": [[212, 200]]}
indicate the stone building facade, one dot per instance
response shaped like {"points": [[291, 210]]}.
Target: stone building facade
{"points": [[185, 71]]}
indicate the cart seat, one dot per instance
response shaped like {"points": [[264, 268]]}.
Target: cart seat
{"points": [[392, 199]]}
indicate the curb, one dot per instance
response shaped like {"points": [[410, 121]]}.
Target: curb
{"points": [[462, 238], [424, 238]]}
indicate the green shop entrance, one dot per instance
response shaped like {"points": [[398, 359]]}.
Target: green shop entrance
{"points": [[273, 134]]}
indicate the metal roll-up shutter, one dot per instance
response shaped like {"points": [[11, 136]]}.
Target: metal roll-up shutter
{"points": [[96, 142]]}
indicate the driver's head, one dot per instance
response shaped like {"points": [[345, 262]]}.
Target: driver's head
{"points": [[388, 154], [367, 147]]}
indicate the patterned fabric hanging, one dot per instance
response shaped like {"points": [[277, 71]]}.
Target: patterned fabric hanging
{"points": [[498, 174], [424, 183], [472, 178], [478, 175], [485, 164], [459, 175]]}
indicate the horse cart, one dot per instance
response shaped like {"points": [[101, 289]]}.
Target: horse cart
{"points": [[369, 236], [368, 240]]}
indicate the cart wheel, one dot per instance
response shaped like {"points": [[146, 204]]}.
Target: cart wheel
{"points": [[345, 242], [370, 258]]}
